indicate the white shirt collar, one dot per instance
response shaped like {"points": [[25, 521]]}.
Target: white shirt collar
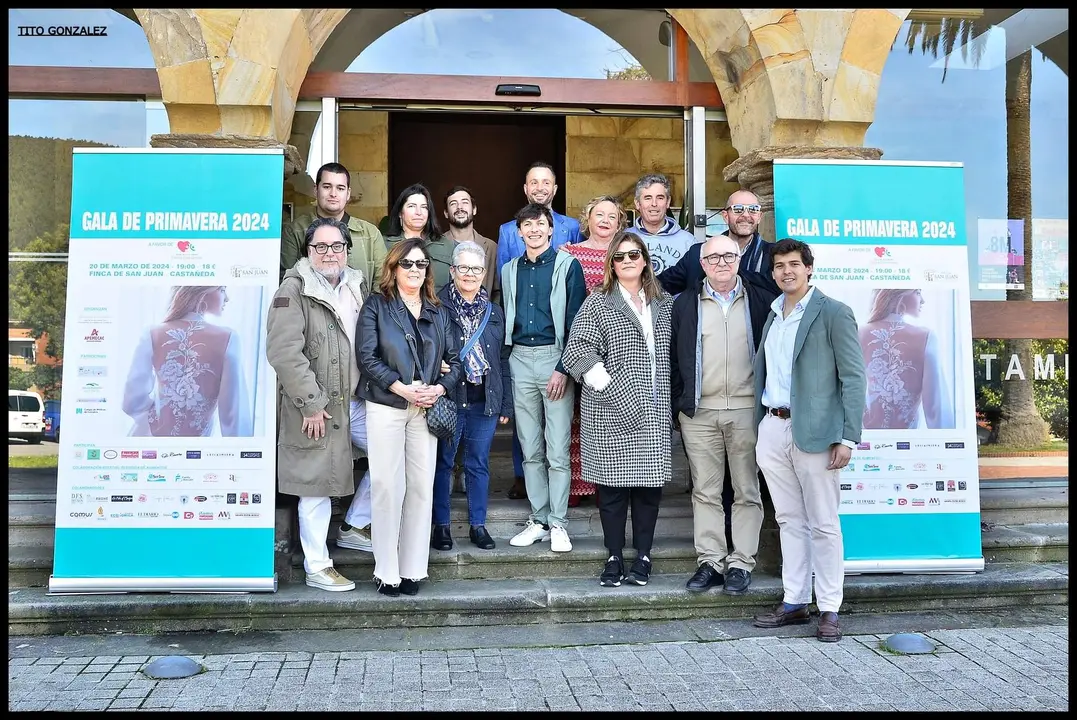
{"points": [[779, 302], [628, 296]]}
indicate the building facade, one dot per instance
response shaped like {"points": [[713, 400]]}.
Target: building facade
{"points": [[710, 97]]}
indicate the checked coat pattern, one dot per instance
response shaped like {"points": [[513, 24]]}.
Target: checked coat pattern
{"points": [[626, 428]]}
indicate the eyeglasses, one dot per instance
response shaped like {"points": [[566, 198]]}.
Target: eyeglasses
{"points": [[409, 264], [469, 269], [630, 255], [728, 258], [740, 209], [322, 248]]}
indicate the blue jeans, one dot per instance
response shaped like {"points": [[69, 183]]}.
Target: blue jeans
{"points": [[476, 429]]}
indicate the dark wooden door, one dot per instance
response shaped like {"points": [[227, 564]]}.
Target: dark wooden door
{"points": [[489, 154]]}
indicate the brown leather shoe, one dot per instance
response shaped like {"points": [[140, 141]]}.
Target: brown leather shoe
{"points": [[828, 630], [780, 617]]}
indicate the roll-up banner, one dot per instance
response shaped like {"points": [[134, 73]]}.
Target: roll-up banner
{"points": [[167, 462], [889, 241]]}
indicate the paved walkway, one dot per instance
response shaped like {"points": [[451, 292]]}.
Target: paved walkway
{"points": [[1023, 668]]}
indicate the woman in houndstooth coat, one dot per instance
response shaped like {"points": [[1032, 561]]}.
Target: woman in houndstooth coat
{"points": [[618, 350]]}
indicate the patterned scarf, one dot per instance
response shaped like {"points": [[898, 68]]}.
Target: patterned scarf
{"points": [[470, 313]]}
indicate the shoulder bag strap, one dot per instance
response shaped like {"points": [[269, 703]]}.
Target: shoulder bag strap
{"points": [[477, 335]]}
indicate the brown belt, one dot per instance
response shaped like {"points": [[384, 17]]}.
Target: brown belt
{"points": [[779, 412]]}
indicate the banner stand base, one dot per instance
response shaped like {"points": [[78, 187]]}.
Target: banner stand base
{"points": [[119, 586], [941, 566]]}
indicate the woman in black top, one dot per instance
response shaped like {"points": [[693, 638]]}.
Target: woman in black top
{"points": [[403, 322]]}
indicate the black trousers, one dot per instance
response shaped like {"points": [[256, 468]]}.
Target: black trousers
{"points": [[613, 503]]}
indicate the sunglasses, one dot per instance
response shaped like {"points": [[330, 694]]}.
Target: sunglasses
{"points": [[322, 248], [470, 269], [740, 209], [409, 264], [630, 255]]}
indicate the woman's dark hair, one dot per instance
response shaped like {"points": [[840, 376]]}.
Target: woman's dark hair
{"points": [[320, 222], [786, 246], [431, 231], [399, 251]]}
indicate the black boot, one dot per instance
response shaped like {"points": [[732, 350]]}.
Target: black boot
{"points": [[481, 538], [441, 538]]}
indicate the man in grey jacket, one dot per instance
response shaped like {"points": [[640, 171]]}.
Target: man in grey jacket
{"points": [[809, 389], [310, 344]]}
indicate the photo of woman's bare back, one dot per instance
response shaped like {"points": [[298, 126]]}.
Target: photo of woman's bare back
{"points": [[186, 377], [907, 387]]}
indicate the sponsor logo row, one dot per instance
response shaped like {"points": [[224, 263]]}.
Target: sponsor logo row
{"points": [[907, 502], [924, 467], [161, 477], [938, 486], [220, 515], [116, 454], [910, 445], [232, 498]]}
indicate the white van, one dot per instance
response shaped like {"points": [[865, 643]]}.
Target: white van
{"points": [[25, 416]]}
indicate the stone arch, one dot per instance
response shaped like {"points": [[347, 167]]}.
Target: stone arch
{"points": [[795, 77], [787, 77]]}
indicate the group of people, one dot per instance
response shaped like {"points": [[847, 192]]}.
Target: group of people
{"points": [[598, 340]]}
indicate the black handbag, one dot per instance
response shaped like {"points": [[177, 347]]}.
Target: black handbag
{"points": [[441, 417]]}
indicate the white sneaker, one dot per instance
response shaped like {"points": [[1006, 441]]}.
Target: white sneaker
{"points": [[355, 538], [329, 579], [559, 541], [531, 534]]}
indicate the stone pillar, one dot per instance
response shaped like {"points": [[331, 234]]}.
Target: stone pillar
{"points": [[755, 172], [293, 162]]}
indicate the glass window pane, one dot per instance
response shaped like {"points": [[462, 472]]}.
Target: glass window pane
{"points": [[593, 43], [957, 89], [30, 41]]}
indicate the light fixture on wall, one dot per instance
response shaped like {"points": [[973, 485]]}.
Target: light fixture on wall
{"points": [[665, 33], [518, 89]]}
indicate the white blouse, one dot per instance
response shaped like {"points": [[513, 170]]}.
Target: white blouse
{"points": [[645, 323]]}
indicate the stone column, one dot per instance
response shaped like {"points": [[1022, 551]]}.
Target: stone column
{"points": [[293, 162], [755, 172]]}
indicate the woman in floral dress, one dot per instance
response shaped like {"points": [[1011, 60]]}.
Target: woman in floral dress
{"points": [[602, 218]]}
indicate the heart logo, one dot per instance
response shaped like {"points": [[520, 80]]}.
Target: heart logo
{"points": [[880, 251], [183, 245]]}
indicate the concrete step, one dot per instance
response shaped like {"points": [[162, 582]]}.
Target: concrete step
{"points": [[1034, 542], [32, 611], [1022, 506]]}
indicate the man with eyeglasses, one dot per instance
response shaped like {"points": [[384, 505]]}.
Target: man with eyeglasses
{"points": [[460, 211], [717, 327], [310, 343], [742, 214]]}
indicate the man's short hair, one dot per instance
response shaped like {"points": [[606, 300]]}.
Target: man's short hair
{"points": [[459, 188], [540, 164], [785, 246], [320, 222], [333, 167], [650, 179], [532, 211]]}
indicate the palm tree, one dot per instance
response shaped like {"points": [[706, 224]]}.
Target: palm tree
{"points": [[1021, 423]]}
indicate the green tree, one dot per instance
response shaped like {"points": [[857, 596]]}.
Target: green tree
{"points": [[634, 71], [46, 378], [18, 379], [38, 291]]}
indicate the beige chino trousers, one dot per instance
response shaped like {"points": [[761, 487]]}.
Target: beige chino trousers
{"points": [[402, 454]]}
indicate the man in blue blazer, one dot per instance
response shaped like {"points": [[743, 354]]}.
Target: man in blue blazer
{"points": [[810, 382], [540, 186]]}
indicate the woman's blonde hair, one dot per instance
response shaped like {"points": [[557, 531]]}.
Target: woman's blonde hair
{"points": [[889, 301], [651, 288], [399, 251], [585, 216], [188, 298]]}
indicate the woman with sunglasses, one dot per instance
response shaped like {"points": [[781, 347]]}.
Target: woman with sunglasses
{"points": [[602, 218], [483, 395], [618, 350], [403, 337]]}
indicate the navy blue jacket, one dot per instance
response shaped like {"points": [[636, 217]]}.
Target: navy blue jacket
{"points": [[499, 379], [688, 273]]}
